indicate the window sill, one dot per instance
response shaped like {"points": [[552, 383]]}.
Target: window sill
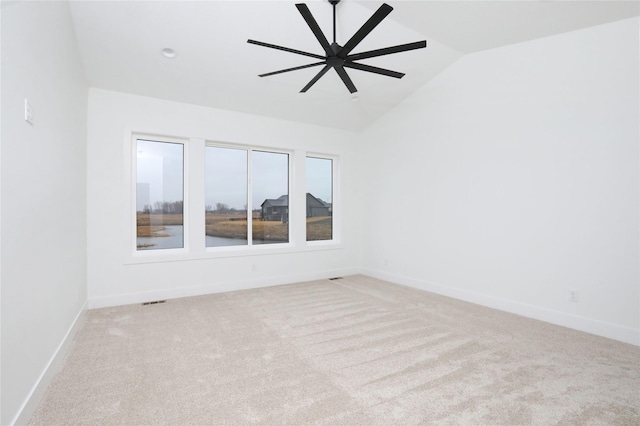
{"points": [[181, 255]]}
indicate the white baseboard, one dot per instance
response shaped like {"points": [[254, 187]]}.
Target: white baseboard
{"points": [[55, 362], [600, 328], [588, 325], [218, 287]]}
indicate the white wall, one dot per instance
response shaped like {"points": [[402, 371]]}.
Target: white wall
{"points": [[114, 280], [513, 177], [43, 193], [508, 180]]}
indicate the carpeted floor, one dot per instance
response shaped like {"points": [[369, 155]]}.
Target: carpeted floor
{"points": [[354, 351]]}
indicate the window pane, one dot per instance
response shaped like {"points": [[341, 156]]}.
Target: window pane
{"points": [[270, 197], [319, 199], [226, 196], [159, 195]]}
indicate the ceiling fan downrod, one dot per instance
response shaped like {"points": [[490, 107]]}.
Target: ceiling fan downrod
{"points": [[334, 3]]}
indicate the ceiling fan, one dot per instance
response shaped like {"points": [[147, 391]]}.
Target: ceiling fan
{"points": [[340, 57]]}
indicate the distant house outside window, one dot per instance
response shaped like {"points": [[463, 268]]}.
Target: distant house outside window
{"points": [[270, 189]]}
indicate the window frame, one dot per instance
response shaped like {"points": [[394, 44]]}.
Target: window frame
{"points": [[336, 202], [194, 203], [290, 176], [185, 196]]}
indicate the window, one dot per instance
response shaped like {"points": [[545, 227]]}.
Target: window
{"points": [[231, 175], [194, 199], [270, 196], [159, 195], [319, 184], [226, 196]]}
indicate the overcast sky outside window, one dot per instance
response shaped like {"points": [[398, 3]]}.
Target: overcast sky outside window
{"points": [[158, 173], [160, 165], [319, 178], [270, 176], [226, 177]]}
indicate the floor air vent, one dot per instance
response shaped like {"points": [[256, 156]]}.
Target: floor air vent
{"points": [[155, 302]]}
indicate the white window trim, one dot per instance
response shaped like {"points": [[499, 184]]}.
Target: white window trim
{"points": [[131, 182], [194, 204], [336, 202]]}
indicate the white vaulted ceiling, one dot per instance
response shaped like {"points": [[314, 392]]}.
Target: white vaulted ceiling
{"points": [[121, 42]]}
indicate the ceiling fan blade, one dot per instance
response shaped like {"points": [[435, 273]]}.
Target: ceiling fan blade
{"points": [[315, 64], [345, 79], [322, 72], [286, 49], [376, 70], [315, 28], [368, 26], [388, 50]]}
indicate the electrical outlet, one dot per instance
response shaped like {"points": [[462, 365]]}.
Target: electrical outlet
{"points": [[574, 296], [28, 112]]}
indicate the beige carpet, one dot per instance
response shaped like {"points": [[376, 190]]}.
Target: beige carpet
{"points": [[354, 351]]}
